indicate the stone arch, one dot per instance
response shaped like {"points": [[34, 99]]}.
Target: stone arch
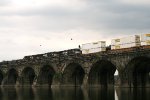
{"points": [[139, 72], [27, 76], [11, 78], [73, 75], [102, 74], [46, 75], [1, 77]]}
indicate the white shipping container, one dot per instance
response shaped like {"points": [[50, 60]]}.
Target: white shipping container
{"points": [[86, 46], [126, 42], [94, 45], [130, 39], [115, 47], [145, 37], [93, 50], [115, 41], [145, 43], [85, 51], [129, 45], [112, 47], [98, 44]]}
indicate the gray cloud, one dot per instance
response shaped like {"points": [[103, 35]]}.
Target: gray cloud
{"points": [[92, 21], [96, 15], [4, 2]]}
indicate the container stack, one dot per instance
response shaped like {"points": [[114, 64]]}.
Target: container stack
{"points": [[93, 47], [145, 39], [115, 44], [125, 42]]}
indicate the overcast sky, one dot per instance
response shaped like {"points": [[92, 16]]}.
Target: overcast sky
{"points": [[38, 26]]}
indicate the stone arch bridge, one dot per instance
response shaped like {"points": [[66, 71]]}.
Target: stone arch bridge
{"points": [[72, 68]]}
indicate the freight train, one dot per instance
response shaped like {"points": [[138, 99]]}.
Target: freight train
{"points": [[118, 43]]}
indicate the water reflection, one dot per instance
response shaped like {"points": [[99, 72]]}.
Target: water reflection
{"points": [[1, 94], [133, 94], [74, 93], [68, 94], [101, 94], [43, 93], [25, 93], [9, 94]]}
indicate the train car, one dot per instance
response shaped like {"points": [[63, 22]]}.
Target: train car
{"points": [[125, 42], [93, 47], [145, 39]]}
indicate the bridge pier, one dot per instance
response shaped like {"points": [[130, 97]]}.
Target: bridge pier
{"points": [[124, 79]]}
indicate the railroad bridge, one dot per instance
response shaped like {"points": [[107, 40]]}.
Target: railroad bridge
{"points": [[72, 68]]}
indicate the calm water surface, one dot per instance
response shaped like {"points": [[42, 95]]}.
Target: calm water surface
{"points": [[74, 94]]}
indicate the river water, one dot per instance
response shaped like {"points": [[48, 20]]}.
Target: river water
{"points": [[73, 93]]}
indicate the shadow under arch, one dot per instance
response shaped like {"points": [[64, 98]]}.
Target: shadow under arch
{"points": [[27, 76], [11, 77], [102, 74], [73, 75], [139, 72], [46, 75], [1, 77]]}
